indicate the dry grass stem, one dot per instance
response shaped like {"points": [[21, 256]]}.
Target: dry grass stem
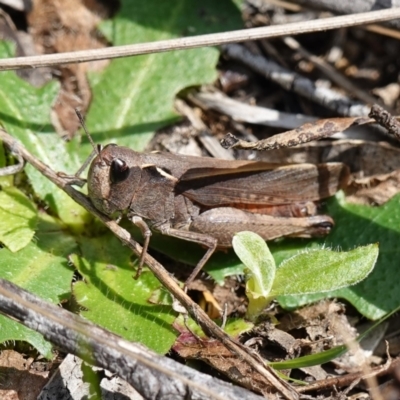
{"points": [[214, 39]]}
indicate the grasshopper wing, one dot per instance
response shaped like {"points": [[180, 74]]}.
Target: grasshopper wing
{"points": [[256, 183]]}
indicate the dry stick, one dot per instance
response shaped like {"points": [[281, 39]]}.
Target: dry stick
{"points": [[330, 71], [208, 326], [292, 81], [214, 39], [352, 7], [132, 362], [243, 112], [379, 29], [385, 119], [251, 114]]}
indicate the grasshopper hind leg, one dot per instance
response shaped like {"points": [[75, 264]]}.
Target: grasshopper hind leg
{"points": [[224, 222], [204, 239]]}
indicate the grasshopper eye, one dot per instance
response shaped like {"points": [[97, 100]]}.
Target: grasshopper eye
{"points": [[119, 170]]}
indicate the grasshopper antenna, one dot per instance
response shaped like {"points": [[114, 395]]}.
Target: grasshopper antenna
{"points": [[82, 121], [96, 149]]}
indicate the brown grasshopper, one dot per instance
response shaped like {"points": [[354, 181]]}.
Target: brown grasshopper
{"points": [[206, 200]]}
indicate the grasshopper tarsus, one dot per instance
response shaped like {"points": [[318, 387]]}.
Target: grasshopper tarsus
{"points": [[72, 180], [146, 233]]}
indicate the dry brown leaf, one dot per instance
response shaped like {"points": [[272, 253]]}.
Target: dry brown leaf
{"points": [[219, 357], [308, 132], [19, 381], [375, 190]]}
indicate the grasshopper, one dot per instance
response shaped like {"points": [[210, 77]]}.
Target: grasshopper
{"points": [[206, 201]]}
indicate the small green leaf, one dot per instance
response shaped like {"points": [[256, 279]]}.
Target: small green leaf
{"points": [[18, 218], [317, 271], [116, 301], [235, 327], [255, 255]]}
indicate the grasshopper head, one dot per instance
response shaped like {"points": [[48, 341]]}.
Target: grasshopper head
{"points": [[113, 178]]}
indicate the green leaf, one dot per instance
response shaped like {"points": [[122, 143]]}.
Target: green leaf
{"points": [[41, 268], [18, 218], [134, 96], [324, 270], [357, 225], [310, 360], [25, 114], [11, 331], [114, 300], [313, 271], [260, 265], [260, 270]]}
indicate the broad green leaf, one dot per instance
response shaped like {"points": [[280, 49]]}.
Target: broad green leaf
{"points": [[114, 300], [357, 225], [25, 114], [11, 331], [41, 268], [324, 270], [134, 96], [18, 218], [260, 270]]}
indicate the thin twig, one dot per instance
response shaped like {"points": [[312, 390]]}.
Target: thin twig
{"points": [[213, 39], [208, 326], [383, 30]]}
